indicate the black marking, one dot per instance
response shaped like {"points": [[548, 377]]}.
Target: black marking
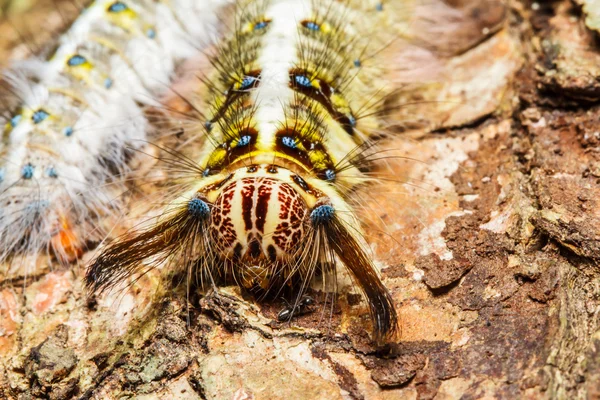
{"points": [[301, 182]]}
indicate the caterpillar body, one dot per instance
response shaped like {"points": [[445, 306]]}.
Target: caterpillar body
{"points": [[79, 110], [266, 203]]}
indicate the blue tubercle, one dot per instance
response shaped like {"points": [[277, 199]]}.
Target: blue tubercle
{"points": [[68, 131], [379, 7], [322, 214], [244, 141], [260, 25], [247, 82], [76, 60], [117, 6], [2, 175], [151, 33], [27, 171], [352, 121], [52, 172], [302, 80], [313, 26], [39, 116], [198, 209], [357, 63], [330, 175], [108, 83], [288, 142], [14, 121]]}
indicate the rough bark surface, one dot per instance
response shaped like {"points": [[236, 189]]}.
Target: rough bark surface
{"points": [[490, 250]]}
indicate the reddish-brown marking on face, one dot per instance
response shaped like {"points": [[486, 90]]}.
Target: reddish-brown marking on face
{"points": [[271, 214]]}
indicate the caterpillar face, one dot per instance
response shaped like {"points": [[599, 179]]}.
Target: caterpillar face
{"points": [[260, 217], [258, 220]]}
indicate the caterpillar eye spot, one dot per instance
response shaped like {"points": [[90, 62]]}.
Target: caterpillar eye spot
{"points": [[39, 116], [27, 171], [322, 214], [198, 209]]}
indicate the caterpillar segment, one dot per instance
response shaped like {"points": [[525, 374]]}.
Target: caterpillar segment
{"points": [[268, 208], [78, 111]]}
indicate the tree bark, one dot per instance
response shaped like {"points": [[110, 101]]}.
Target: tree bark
{"points": [[490, 250]]}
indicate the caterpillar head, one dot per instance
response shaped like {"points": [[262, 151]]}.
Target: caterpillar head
{"points": [[260, 217], [262, 225]]}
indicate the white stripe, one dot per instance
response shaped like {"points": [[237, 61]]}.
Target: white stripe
{"points": [[277, 57]]}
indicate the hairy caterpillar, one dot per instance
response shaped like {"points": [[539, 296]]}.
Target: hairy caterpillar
{"points": [[76, 112], [263, 197]]}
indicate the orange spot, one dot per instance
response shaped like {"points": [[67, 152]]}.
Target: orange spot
{"points": [[65, 243]]}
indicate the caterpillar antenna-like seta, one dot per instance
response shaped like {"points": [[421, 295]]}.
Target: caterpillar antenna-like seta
{"points": [[268, 205]]}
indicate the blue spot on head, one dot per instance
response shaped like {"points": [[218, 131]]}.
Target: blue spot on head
{"points": [[76, 60], [52, 172], [198, 209], [313, 26], [322, 214], [379, 7], [39, 116], [330, 175], [27, 171], [14, 121], [247, 82], [117, 6], [244, 141], [302, 81], [288, 142], [151, 33], [108, 83], [68, 131], [260, 25], [357, 63]]}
